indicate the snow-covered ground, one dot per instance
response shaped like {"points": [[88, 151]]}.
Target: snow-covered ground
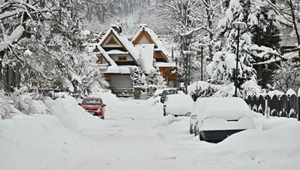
{"points": [[136, 136]]}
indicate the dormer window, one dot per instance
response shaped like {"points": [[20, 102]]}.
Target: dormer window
{"points": [[122, 58]]}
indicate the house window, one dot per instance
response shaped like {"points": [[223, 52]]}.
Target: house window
{"points": [[122, 58]]}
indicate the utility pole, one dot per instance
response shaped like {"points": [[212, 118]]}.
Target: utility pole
{"points": [[189, 66], [185, 70], [202, 46]]}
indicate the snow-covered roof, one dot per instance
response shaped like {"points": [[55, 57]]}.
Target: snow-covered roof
{"points": [[142, 52], [165, 64], [112, 65], [116, 52], [153, 36], [120, 69], [123, 40]]}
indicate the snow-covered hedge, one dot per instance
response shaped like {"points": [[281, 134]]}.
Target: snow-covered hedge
{"points": [[22, 102], [202, 89], [205, 89], [7, 110]]}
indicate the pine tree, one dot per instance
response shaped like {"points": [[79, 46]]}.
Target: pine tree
{"points": [[222, 69], [266, 36]]}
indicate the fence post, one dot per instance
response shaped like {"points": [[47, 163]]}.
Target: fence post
{"points": [[298, 108], [267, 112]]}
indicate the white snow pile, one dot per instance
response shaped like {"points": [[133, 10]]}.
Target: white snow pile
{"points": [[279, 144], [167, 120], [44, 141], [135, 134], [7, 110]]}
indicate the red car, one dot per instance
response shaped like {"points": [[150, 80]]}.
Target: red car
{"points": [[94, 105]]}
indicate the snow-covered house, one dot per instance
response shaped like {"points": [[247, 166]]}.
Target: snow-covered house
{"points": [[116, 55], [166, 66]]}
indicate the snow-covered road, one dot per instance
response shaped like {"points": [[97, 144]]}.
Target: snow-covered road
{"points": [[133, 140], [136, 136]]}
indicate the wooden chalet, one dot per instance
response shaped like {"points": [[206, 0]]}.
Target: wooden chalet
{"points": [[116, 55], [166, 67]]}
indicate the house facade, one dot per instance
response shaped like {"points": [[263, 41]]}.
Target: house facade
{"points": [[117, 55], [166, 65]]}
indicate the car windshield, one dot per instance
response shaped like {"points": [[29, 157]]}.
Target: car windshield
{"points": [[91, 101], [172, 92], [166, 92]]}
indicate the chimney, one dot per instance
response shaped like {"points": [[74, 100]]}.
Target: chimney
{"points": [[143, 25], [117, 28]]}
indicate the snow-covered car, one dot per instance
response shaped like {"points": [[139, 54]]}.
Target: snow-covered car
{"points": [[193, 120], [94, 105], [221, 117], [178, 105], [167, 92]]}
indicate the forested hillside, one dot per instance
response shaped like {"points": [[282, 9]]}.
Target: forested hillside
{"points": [[99, 15]]}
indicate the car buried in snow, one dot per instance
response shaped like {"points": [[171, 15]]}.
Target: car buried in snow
{"points": [[220, 117], [178, 105], [167, 92], [94, 105]]}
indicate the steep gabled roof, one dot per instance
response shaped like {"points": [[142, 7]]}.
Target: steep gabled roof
{"points": [[151, 34], [122, 40], [151, 37], [113, 67], [106, 56]]}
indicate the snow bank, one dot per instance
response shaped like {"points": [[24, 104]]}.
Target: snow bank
{"points": [[72, 115], [39, 142], [167, 120], [6, 108]]}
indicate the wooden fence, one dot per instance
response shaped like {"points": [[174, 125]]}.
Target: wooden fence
{"points": [[281, 106]]}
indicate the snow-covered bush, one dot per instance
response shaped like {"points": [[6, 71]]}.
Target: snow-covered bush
{"points": [[7, 110], [29, 102], [202, 89], [251, 88], [226, 91]]}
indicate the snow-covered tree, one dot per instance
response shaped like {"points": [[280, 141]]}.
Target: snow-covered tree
{"points": [[193, 23], [287, 77], [266, 41], [137, 76], [289, 11], [222, 69], [45, 39], [153, 78]]}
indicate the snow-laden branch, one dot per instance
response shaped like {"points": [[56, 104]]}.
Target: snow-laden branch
{"points": [[280, 11], [9, 39], [172, 7], [195, 30]]}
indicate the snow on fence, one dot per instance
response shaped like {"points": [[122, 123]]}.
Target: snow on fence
{"points": [[281, 106]]}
